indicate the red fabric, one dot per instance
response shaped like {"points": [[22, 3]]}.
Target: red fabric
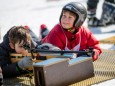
{"points": [[57, 38], [43, 26], [27, 27]]}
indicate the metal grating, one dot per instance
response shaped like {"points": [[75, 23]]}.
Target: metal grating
{"points": [[104, 69]]}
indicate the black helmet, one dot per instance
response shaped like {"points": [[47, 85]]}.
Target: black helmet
{"points": [[79, 10]]}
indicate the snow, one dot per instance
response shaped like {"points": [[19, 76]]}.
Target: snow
{"points": [[36, 12], [108, 46], [106, 83]]}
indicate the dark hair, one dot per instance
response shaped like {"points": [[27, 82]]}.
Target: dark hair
{"points": [[18, 34]]}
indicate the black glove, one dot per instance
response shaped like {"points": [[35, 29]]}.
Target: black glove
{"points": [[47, 46]]}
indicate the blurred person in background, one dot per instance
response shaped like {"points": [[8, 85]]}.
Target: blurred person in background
{"points": [[107, 16], [43, 31]]}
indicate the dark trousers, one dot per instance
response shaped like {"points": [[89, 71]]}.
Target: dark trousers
{"points": [[92, 4]]}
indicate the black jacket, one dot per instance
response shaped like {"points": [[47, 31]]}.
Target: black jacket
{"points": [[9, 68]]}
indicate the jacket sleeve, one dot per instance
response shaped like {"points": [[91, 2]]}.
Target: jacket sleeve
{"points": [[94, 43], [54, 38], [8, 68]]}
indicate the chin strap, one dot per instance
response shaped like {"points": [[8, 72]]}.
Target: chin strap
{"points": [[70, 29]]}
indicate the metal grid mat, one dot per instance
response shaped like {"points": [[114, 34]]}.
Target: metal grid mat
{"points": [[104, 69]]}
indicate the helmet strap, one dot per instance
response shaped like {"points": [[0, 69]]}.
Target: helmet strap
{"points": [[71, 29]]}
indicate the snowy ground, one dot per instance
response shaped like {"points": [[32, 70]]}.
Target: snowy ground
{"points": [[36, 12], [106, 83]]}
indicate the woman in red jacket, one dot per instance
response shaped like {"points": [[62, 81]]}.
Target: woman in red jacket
{"points": [[69, 34]]}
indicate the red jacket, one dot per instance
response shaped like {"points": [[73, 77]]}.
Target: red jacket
{"points": [[84, 36]]}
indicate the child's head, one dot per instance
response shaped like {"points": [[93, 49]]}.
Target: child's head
{"points": [[73, 15], [18, 37]]}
